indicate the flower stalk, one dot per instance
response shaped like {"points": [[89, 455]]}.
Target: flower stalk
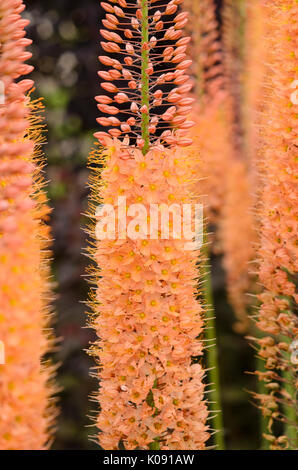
{"points": [[145, 76]]}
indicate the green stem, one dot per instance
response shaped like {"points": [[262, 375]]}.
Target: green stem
{"points": [[145, 76], [212, 358]]}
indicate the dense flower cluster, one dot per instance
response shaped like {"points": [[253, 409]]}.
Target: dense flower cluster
{"points": [[278, 218], [149, 319], [24, 287]]}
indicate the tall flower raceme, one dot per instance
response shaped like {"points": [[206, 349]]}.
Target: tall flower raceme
{"points": [[145, 309], [221, 167], [237, 239], [27, 411], [278, 218]]}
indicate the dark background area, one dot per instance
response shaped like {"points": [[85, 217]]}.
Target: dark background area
{"points": [[65, 51]]}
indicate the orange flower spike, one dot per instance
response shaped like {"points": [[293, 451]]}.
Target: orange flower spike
{"points": [[278, 215], [149, 317], [25, 394], [146, 313], [255, 72]]}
